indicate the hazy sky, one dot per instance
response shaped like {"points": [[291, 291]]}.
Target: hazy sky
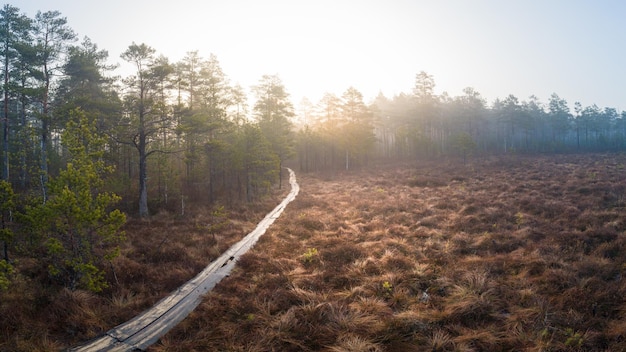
{"points": [[574, 48]]}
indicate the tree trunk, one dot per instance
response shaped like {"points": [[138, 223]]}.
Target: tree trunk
{"points": [[5, 135], [143, 176], [44, 158], [280, 174], [23, 172], [44, 136], [248, 187], [143, 187], [211, 195]]}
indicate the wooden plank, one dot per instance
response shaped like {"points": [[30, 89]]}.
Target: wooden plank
{"points": [[146, 328]]}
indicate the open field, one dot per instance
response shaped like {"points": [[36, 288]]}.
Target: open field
{"points": [[508, 253], [512, 253]]}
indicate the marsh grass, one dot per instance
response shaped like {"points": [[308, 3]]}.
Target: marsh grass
{"points": [[161, 253], [503, 255], [507, 253]]}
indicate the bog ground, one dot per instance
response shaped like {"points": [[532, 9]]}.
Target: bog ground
{"points": [[499, 254], [508, 253]]}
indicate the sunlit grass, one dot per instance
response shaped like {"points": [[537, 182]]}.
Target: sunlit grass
{"points": [[502, 255], [454, 259]]}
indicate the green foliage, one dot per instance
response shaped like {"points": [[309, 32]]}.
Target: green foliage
{"points": [[78, 229], [257, 161], [464, 144], [357, 139], [7, 204], [519, 219], [92, 278], [343, 136], [272, 99], [574, 338], [310, 255], [217, 220], [273, 110], [7, 196], [387, 289], [6, 270]]}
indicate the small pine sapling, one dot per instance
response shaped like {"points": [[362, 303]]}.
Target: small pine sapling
{"points": [[78, 230]]}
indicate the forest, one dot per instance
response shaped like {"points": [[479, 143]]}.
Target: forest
{"points": [[84, 150]]}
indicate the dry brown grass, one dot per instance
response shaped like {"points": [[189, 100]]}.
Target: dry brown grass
{"points": [[507, 253], [519, 253], [161, 254]]}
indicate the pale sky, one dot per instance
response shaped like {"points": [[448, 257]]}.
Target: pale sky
{"points": [[573, 48]]}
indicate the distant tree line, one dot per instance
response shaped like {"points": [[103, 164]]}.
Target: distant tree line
{"points": [[343, 132]]}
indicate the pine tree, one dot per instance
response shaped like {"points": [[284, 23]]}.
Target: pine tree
{"points": [[273, 111], [14, 31], [78, 229], [52, 35]]}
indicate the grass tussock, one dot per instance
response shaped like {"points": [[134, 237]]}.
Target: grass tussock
{"points": [[507, 254], [525, 254]]}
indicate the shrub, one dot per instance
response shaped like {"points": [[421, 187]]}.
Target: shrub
{"points": [[78, 229], [6, 270], [310, 255]]}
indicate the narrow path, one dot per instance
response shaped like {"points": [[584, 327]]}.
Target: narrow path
{"points": [[146, 328]]}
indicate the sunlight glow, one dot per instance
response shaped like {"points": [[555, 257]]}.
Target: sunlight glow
{"points": [[499, 48]]}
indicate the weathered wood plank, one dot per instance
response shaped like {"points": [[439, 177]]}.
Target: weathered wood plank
{"points": [[146, 328]]}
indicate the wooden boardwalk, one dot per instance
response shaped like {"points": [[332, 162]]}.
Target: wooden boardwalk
{"points": [[146, 328]]}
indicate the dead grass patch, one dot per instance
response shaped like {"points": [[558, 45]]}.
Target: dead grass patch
{"points": [[507, 253]]}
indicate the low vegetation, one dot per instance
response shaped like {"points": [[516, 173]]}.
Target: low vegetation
{"points": [[509, 253], [503, 253], [159, 255]]}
